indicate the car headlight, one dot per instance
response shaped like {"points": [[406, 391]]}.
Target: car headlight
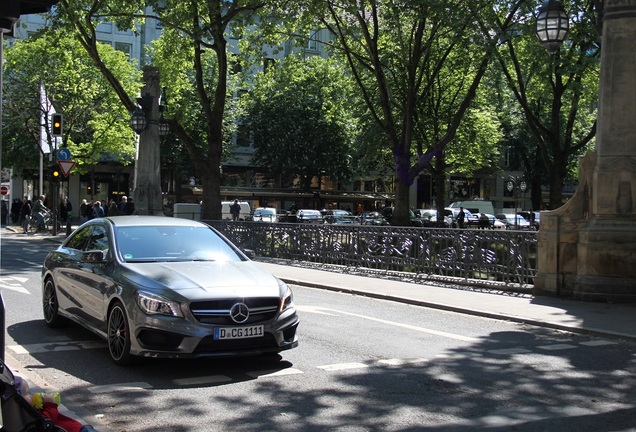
{"points": [[155, 305], [287, 301]]}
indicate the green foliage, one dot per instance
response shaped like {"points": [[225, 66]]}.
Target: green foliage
{"points": [[95, 122], [299, 118]]}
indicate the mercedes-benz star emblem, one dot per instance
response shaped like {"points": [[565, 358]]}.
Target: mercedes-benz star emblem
{"points": [[239, 313]]}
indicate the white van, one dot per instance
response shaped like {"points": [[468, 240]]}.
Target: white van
{"points": [[475, 206], [246, 210]]}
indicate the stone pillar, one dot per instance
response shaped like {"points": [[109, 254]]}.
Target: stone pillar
{"points": [[587, 248], [147, 183]]}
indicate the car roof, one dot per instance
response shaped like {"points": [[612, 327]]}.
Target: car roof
{"points": [[139, 220]]}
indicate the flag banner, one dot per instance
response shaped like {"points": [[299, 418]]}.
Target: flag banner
{"points": [[46, 110]]}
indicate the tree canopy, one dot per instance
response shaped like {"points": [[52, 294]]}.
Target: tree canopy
{"points": [[95, 123], [300, 120]]}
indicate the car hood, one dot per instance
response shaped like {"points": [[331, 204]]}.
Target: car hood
{"points": [[205, 279]]}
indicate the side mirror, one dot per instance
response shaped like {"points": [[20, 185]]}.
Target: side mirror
{"points": [[95, 256], [249, 253]]}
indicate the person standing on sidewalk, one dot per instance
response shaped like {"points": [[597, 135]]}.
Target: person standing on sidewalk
{"points": [[25, 214]]}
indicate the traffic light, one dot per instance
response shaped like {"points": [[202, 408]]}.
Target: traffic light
{"points": [[56, 174], [53, 174], [56, 127]]}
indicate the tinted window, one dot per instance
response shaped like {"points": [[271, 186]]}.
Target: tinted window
{"points": [[80, 238], [99, 239]]}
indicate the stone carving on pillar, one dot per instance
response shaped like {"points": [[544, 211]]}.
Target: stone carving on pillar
{"points": [[587, 248]]}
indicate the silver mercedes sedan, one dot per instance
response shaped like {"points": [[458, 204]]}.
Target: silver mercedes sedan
{"points": [[157, 286]]}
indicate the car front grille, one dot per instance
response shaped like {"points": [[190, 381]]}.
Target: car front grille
{"points": [[218, 311]]}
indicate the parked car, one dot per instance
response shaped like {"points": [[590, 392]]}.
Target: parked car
{"points": [[520, 224], [372, 218], [332, 216], [156, 286], [490, 221], [309, 216], [533, 217], [429, 218], [346, 220], [265, 214], [387, 212]]}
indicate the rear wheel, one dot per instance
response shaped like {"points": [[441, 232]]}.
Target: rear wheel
{"points": [[119, 335], [50, 305]]}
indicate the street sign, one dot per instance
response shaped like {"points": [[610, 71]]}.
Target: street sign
{"points": [[4, 190], [66, 166], [64, 154]]}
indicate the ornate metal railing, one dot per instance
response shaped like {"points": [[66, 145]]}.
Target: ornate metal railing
{"points": [[490, 258]]}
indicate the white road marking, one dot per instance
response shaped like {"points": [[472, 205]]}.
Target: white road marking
{"points": [[402, 362], [14, 283], [210, 379], [598, 343], [31, 263], [56, 346], [274, 373], [314, 309], [556, 347], [334, 312], [510, 351], [343, 366], [113, 388]]}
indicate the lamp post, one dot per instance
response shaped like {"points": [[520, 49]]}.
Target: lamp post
{"points": [[145, 122], [515, 185], [552, 25], [587, 247]]}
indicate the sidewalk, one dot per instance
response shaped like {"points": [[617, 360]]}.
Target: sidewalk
{"points": [[601, 319]]}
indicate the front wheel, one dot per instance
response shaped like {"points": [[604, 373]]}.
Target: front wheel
{"points": [[119, 336], [50, 305]]}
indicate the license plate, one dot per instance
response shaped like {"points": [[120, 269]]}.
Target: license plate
{"points": [[224, 333]]}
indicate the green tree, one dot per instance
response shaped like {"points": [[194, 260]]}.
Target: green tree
{"points": [[202, 29], [398, 53], [557, 94], [93, 125], [299, 120]]}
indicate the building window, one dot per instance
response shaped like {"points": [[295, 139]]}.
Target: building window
{"points": [[124, 47], [313, 41]]}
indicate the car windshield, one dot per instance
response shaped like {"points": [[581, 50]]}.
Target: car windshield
{"points": [[172, 243]]}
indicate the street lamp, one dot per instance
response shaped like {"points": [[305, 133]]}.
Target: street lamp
{"points": [[514, 185], [552, 25], [138, 119]]}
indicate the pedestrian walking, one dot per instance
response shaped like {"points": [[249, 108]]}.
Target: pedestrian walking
{"points": [[129, 207], [25, 215], [235, 210], [461, 217]]}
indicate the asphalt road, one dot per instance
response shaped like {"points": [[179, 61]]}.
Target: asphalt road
{"points": [[362, 365]]}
